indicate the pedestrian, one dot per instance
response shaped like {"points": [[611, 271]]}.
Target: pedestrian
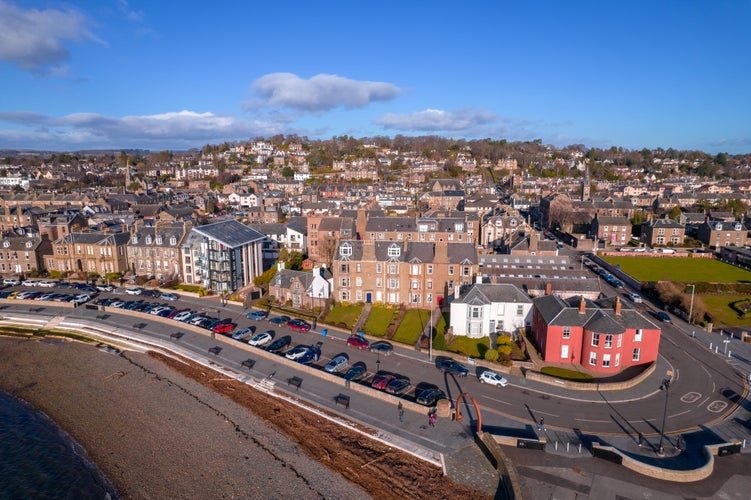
{"points": [[431, 419], [542, 424], [401, 412]]}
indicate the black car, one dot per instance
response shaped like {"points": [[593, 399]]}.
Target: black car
{"points": [[280, 320], [382, 347], [356, 371], [279, 344], [450, 365], [429, 397]]}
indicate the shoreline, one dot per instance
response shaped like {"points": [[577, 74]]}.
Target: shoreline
{"points": [[155, 434], [157, 426]]}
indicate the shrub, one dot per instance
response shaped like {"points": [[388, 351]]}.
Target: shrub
{"points": [[491, 355], [504, 351]]}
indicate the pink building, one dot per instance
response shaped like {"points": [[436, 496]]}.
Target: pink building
{"points": [[602, 336]]}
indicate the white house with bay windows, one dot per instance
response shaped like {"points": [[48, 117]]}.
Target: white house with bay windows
{"points": [[488, 308]]}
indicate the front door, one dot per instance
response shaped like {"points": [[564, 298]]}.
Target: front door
{"points": [[564, 352], [368, 297]]}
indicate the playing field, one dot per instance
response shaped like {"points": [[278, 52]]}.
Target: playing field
{"points": [[683, 269]]}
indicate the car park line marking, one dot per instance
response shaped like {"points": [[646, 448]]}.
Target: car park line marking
{"points": [[703, 402], [546, 413], [497, 400], [589, 420], [678, 414]]}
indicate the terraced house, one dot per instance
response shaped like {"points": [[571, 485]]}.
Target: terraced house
{"points": [[418, 274], [154, 250], [89, 252]]}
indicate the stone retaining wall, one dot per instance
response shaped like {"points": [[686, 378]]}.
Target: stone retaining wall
{"points": [[583, 386]]}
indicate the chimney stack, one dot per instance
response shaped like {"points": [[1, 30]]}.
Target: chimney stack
{"points": [[582, 305], [617, 306], [548, 288]]}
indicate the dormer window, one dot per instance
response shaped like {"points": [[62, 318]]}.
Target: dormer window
{"points": [[29, 244], [135, 239], [738, 227], [159, 240], [148, 240], [512, 222], [173, 241], [6, 244], [718, 226], [394, 251], [345, 250]]}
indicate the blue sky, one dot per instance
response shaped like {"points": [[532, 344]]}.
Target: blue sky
{"points": [[175, 75]]}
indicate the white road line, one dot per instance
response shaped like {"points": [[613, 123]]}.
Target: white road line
{"points": [[545, 413], [678, 414], [588, 420], [497, 400]]}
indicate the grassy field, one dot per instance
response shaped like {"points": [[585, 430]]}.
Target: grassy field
{"points": [[682, 269], [719, 305], [411, 327], [346, 315], [379, 320]]}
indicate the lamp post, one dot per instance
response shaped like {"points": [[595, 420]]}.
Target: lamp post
{"points": [[691, 307], [666, 387], [430, 337], [378, 362]]}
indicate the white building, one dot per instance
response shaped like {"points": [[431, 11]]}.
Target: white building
{"points": [[488, 308]]}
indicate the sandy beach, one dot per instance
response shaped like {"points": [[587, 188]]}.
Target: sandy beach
{"points": [[156, 432]]}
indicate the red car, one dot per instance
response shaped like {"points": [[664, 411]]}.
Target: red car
{"points": [[223, 328], [356, 341], [381, 380], [299, 325]]}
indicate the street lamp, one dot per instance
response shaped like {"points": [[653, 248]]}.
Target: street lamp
{"points": [[691, 307], [430, 337], [666, 387], [378, 362]]}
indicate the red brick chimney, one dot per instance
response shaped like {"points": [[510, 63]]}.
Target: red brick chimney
{"points": [[617, 306], [548, 288], [582, 305]]}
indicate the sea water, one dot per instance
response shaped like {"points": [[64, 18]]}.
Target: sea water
{"points": [[40, 460]]}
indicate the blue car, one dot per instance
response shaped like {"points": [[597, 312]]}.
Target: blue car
{"points": [[257, 315], [280, 320]]}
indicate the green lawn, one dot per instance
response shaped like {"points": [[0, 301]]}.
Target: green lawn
{"points": [[345, 315], [719, 305], [474, 348], [379, 319], [411, 326], [566, 374], [681, 269]]}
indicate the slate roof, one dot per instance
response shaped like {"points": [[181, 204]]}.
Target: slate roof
{"points": [[230, 233], [285, 277], [95, 238], [599, 316], [479, 294]]}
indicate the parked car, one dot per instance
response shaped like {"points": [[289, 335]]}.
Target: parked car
{"points": [[429, 397], [262, 338], [242, 334], [356, 341], [356, 371], [381, 380], [257, 315], [183, 316], [383, 347], [312, 354], [297, 352], [46, 283], [134, 291], [450, 365], [280, 320], [11, 281], [492, 378], [105, 288], [663, 316], [299, 325], [169, 296], [223, 328], [337, 363], [30, 282], [398, 386], [635, 297], [278, 344]]}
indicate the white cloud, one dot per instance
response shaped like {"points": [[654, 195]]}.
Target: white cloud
{"points": [[33, 39], [436, 120], [320, 93], [158, 131], [130, 14]]}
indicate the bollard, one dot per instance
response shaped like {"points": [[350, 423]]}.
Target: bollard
{"points": [[715, 349], [710, 346], [567, 446], [744, 443], [729, 353], [580, 448], [556, 446]]}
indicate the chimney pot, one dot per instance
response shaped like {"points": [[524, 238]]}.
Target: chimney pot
{"points": [[582, 305]]}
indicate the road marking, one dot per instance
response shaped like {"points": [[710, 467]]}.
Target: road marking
{"points": [[690, 397], [678, 414], [588, 420], [496, 400], [717, 406], [545, 413]]}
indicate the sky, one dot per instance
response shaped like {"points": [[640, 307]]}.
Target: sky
{"points": [[168, 74]]}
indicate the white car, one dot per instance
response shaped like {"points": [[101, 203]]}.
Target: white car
{"points": [[134, 291], [260, 339], [11, 281], [46, 284], [492, 378], [183, 316], [635, 298], [105, 288], [30, 282], [242, 334], [338, 363], [159, 309], [297, 352], [81, 298]]}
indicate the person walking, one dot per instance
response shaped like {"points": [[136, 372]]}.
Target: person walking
{"points": [[401, 412], [542, 424], [431, 419]]}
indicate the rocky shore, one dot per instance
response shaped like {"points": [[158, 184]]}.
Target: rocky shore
{"points": [[164, 428]]}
